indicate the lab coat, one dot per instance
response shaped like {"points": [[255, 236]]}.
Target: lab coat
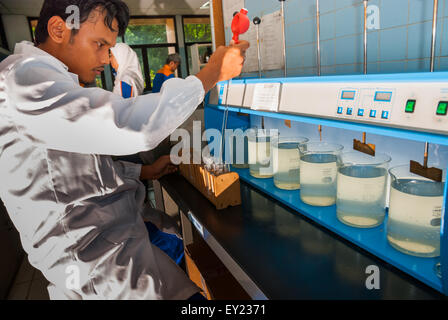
{"points": [[129, 79], [78, 213]]}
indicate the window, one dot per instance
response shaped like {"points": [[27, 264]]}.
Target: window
{"points": [[153, 39], [33, 24], [146, 31], [197, 31], [100, 81]]}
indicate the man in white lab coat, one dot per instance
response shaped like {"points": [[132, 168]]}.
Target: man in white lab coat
{"points": [[78, 215]]}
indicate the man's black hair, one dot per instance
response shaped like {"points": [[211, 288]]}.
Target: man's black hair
{"points": [[113, 9]]}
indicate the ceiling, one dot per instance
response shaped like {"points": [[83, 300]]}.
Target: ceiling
{"points": [[31, 8]]}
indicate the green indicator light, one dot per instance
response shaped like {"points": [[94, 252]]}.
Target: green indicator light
{"points": [[442, 108], [410, 106]]}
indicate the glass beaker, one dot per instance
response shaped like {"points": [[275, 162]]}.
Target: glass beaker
{"points": [[260, 155], [415, 213], [319, 163], [286, 160], [362, 189]]}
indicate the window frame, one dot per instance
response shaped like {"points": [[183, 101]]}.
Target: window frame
{"points": [[188, 44], [3, 39]]}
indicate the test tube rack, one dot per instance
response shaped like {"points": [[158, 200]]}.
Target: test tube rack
{"points": [[222, 190]]}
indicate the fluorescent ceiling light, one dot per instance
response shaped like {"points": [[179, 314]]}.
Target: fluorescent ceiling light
{"points": [[205, 5]]}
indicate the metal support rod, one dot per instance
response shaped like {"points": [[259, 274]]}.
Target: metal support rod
{"points": [[365, 36], [319, 128], [282, 12], [434, 31], [433, 53], [259, 51], [365, 54], [318, 38], [257, 22]]}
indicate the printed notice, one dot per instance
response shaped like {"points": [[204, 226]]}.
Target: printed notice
{"points": [[229, 8], [251, 63], [266, 96], [272, 43]]}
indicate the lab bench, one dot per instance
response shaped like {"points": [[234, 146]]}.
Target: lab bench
{"points": [[275, 252]]}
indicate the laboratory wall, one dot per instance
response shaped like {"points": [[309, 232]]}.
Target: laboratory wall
{"points": [[16, 29], [399, 42]]}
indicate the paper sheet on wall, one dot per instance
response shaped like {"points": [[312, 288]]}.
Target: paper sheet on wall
{"points": [[271, 41], [270, 44], [229, 7], [251, 63], [266, 96]]}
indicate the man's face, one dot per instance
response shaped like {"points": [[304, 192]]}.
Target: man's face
{"points": [[174, 65], [87, 52]]}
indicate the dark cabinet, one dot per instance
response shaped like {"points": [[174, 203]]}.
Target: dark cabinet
{"points": [[11, 252]]}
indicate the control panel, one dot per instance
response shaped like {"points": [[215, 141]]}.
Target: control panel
{"points": [[368, 104], [411, 101], [420, 106]]}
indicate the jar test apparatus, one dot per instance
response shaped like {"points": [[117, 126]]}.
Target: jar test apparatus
{"points": [[434, 174], [362, 146], [409, 126]]}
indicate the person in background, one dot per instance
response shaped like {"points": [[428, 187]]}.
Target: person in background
{"points": [[126, 67], [167, 72]]}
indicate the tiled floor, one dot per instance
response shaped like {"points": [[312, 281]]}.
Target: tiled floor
{"points": [[29, 284]]}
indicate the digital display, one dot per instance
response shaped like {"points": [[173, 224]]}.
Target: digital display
{"points": [[383, 96], [442, 108], [348, 95]]}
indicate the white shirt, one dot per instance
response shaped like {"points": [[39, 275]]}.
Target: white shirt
{"points": [[77, 212]]}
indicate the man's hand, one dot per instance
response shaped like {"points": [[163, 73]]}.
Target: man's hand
{"points": [[158, 169], [226, 63]]}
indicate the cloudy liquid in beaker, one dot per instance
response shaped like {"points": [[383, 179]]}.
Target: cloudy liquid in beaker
{"points": [[260, 164], [415, 216], [318, 174], [361, 196], [240, 152], [287, 166]]}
